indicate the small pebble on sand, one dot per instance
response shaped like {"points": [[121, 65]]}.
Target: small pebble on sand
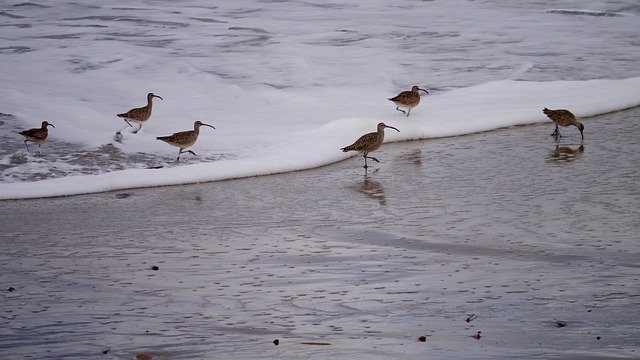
{"points": [[276, 342], [155, 268], [422, 338]]}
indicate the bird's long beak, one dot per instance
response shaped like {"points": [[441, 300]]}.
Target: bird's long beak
{"points": [[423, 90], [51, 124], [208, 126], [391, 127], [158, 97]]}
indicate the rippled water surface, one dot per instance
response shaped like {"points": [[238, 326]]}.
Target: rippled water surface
{"points": [[508, 225]]}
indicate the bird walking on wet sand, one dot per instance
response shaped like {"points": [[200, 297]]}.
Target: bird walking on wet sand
{"points": [[139, 115], [408, 99], [563, 117], [369, 142], [184, 139], [36, 135]]}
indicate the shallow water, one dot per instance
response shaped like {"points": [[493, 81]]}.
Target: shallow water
{"points": [[508, 225]]}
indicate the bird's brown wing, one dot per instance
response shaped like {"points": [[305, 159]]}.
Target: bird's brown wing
{"points": [[137, 113], [36, 134], [406, 97], [362, 142]]}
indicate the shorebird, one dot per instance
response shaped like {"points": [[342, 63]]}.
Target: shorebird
{"points": [[369, 142], [36, 135], [184, 139], [563, 117], [408, 99], [139, 115]]}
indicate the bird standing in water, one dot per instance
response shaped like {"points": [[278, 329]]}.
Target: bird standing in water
{"points": [[184, 139], [563, 117], [369, 142], [139, 115], [408, 99], [36, 135]]}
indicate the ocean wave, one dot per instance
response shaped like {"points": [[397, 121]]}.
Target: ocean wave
{"points": [[462, 111]]}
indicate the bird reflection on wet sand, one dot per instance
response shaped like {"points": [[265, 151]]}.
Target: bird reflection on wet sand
{"points": [[414, 156], [372, 189], [566, 153]]}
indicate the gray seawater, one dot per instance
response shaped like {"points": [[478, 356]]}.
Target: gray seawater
{"points": [[508, 225]]}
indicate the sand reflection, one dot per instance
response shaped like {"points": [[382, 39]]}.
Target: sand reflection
{"points": [[414, 157], [566, 153], [372, 189]]}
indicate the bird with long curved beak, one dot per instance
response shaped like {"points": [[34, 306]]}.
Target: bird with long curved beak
{"points": [[140, 115], [184, 139], [369, 142], [563, 117], [36, 135], [408, 99]]}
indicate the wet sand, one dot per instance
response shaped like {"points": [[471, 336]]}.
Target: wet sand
{"points": [[506, 225]]}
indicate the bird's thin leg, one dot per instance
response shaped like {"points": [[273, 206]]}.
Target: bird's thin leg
{"points": [[140, 127], [187, 151], [556, 132], [127, 121], [365, 160], [369, 157], [25, 144], [409, 112], [398, 108]]}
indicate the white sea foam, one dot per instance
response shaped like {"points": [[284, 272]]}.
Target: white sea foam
{"points": [[479, 108]]}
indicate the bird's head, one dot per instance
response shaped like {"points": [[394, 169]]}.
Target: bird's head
{"points": [[580, 127], [416, 88], [382, 126], [199, 123]]}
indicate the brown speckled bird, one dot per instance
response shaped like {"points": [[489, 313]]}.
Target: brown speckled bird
{"points": [[184, 139], [369, 142], [140, 115], [36, 135], [563, 117], [408, 99]]}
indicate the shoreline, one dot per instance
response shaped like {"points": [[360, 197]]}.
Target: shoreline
{"points": [[501, 225], [317, 147]]}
